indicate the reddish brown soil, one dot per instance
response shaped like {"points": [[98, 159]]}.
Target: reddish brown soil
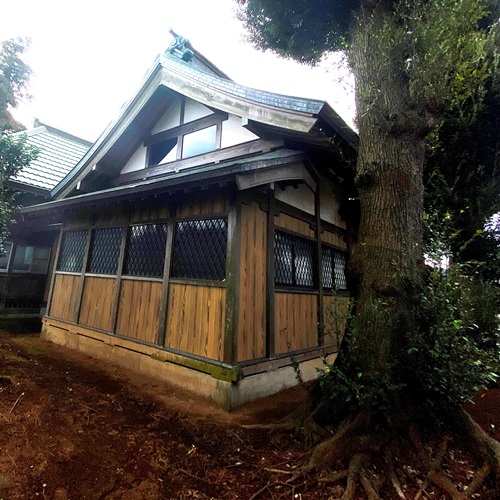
{"points": [[74, 428]]}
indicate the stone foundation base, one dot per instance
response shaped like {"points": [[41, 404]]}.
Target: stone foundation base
{"points": [[225, 385]]}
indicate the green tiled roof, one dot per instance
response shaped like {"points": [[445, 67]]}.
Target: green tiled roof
{"points": [[59, 153]]}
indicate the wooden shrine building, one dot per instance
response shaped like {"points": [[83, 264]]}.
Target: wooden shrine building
{"points": [[202, 239]]}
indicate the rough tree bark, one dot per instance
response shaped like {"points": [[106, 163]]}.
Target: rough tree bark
{"points": [[388, 257]]}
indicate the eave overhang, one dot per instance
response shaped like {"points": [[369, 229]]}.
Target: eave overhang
{"points": [[193, 178]]}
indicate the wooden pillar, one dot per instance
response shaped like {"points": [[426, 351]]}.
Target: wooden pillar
{"points": [[232, 280], [118, 281], [82, 276], [162, 324], [270, 271], [54, 269], [319, 274]]}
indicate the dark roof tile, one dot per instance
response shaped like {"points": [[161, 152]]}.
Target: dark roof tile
{"points": [[59, 153]]}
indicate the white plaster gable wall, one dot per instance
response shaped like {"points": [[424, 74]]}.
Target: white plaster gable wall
{"points": [[330, 204], [137, 162], [300, 197], [233, 133], [170, 119], [194, 110]]}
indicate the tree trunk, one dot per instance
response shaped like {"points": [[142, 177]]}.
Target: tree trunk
{"points": [[387, 258]]}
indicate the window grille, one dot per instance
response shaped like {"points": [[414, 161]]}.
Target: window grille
{"points": [[333, 269], [146, 250], [294, 261], [72, 251], [105, 250], [200, 250]]}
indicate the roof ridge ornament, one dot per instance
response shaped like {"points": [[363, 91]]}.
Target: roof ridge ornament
{"points": [[179, 47]]}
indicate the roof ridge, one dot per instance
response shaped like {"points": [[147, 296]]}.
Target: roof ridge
{"points": [[225, 83], [64, 134]]}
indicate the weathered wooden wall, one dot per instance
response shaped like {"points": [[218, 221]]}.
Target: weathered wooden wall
{"points": [[97, 302], [251, 337], [139, 309], [195, 312], [295, 321], [296, 314], [195, 319], [64, 296], [334, 239], [286, 221], [193, 206]]}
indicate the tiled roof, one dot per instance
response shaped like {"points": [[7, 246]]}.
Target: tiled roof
{"points": [[59, 153], [302, 104]]}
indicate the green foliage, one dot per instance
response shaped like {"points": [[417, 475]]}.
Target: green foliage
{"points": [[453, 353], [14, 152], [300, 29], [345, 391], [462, 179], [14, 155], [446, 49], [14, 78]]}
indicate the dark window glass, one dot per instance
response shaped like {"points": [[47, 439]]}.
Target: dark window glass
{"points": [[146, 250], [200, 250], [72, 251], [105, 250], [5, 256], [333, 269], [32, 259], [294, 261], [159, 152]]}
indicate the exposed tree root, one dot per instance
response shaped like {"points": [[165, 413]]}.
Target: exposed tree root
{"points": [[488, 447], [334, 478], [357, 471], [294, 421], [355, 442], [346, 442], [299, 421], [392, 473]]}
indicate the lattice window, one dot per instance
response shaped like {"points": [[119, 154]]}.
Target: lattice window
{"points": [[105, 250], [72, 251], [146, 250], [200, 250], [294, 261], [333, 269]]}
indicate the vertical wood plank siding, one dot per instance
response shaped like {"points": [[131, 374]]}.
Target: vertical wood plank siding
{"points": [[295, 321], [139, 310], [64, 296], [97, 302], [334, 319], [195, 319], [149, 214], [193, 206], [334, 239], [252, 303], [293, 224]]}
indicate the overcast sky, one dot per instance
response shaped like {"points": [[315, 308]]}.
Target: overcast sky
{"points": [[89, 58]]}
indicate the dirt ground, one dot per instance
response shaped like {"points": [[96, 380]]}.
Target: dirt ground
{"points": [[72, 427]]}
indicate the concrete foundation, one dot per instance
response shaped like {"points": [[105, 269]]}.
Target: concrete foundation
{"points": [[156, 363]]}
